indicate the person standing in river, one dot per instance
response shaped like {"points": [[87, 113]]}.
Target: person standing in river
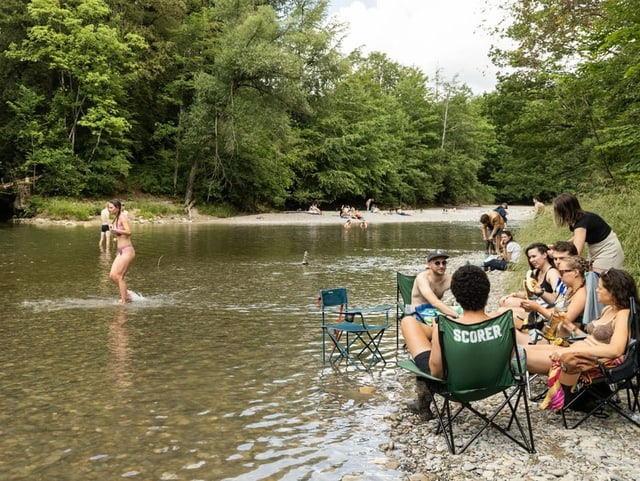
{"points": [[104, 227], [121, 229]]}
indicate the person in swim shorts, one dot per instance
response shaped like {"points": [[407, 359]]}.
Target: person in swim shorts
{"points": [[426, 296], [104, 227]]}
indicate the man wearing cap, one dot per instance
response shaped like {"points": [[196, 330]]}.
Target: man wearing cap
{"points": [[430, 285], [428, 289]]}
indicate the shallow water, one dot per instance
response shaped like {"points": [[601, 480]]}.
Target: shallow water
{"points": [[214, 371]]}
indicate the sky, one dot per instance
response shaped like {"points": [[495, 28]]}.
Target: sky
{"points": [[444, 36]]}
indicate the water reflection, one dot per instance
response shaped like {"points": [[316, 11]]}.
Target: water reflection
{"points": [[215, 371], [119, 346]]}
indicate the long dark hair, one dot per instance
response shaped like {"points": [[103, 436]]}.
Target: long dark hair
{"points": [[118, 205], [621, 285], [567, 210], [542, 249]]}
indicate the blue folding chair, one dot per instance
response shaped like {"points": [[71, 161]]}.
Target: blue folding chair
{"points": [[353, 339]]}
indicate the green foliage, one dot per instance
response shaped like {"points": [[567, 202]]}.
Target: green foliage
{"points": [[251, 104], [78, 112], [150, 209], [568, 111], [219, 210], [60, 208]]}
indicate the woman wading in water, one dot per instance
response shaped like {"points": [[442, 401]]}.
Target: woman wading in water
{"points": [[121, 229]]}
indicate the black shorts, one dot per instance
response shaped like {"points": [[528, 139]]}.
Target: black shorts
{"points": [[104, 228], [422, 361]]}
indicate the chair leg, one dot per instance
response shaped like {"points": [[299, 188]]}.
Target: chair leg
{"points": [[372, 344]]}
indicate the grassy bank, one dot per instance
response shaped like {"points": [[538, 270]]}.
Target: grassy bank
{"points": [[618, 210], [60, 208]]}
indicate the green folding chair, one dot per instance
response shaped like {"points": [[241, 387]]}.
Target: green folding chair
{"points": [[353, 339], [404, 286], [478, 364]]}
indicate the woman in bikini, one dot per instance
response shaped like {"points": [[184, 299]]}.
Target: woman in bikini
{"points": [[121, 229], [607, 337]]}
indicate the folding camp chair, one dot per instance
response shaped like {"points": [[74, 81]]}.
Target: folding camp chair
{"points": [[352, 338], [404, 286], [478, 365], [606, 390]]}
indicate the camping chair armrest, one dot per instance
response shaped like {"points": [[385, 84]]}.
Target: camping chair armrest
{"points": [[367, 310], [409, 365], [361, 311]]}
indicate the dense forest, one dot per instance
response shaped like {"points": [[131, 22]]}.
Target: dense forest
{"points": [[251, 103]]}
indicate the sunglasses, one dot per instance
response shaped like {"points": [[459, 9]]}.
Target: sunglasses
{"points": [[440, 263], [564, 271]]}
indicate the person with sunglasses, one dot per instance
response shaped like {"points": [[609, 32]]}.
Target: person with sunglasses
{"points": [[573, 270], [429, 288], [470, 286]]}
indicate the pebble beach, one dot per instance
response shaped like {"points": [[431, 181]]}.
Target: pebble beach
{"points": [[599, 449]]}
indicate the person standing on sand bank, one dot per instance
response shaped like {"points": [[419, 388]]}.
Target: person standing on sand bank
{"points": [[492, 225], [121, 229]]}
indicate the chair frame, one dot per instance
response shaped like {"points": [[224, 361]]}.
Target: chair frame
{"points": [[404, 287], [625, 376], [514, 396], [357, 331]]}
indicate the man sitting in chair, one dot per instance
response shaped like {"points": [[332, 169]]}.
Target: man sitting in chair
{"points": [[429, 288], [426, 296], [470, 286]]}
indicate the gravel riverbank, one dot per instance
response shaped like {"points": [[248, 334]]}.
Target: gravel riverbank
{"points": [[599, 449]]}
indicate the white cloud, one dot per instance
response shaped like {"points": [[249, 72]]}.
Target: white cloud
{"points": [[434, 35]]}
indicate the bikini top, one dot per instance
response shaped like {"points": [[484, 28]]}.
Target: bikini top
{"points": [[601, 332], [545, 285], [116, 226]]}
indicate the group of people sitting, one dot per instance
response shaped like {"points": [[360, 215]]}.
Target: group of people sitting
{"points": [[348, 212], [568, 305]]}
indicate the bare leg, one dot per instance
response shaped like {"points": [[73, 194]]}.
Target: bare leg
{"points": [[119, 270], [538, 357], [416, 334]]}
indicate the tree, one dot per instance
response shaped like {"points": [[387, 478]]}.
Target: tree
{"points": [[85, 139]]}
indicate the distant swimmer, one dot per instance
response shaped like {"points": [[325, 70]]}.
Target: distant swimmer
{"points": [[305, 260], [121, 229]]}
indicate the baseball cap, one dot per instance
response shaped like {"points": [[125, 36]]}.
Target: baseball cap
{"points": [[435, 254]]}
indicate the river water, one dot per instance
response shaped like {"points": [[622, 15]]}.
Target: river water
{"points": [[214, 372]]}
